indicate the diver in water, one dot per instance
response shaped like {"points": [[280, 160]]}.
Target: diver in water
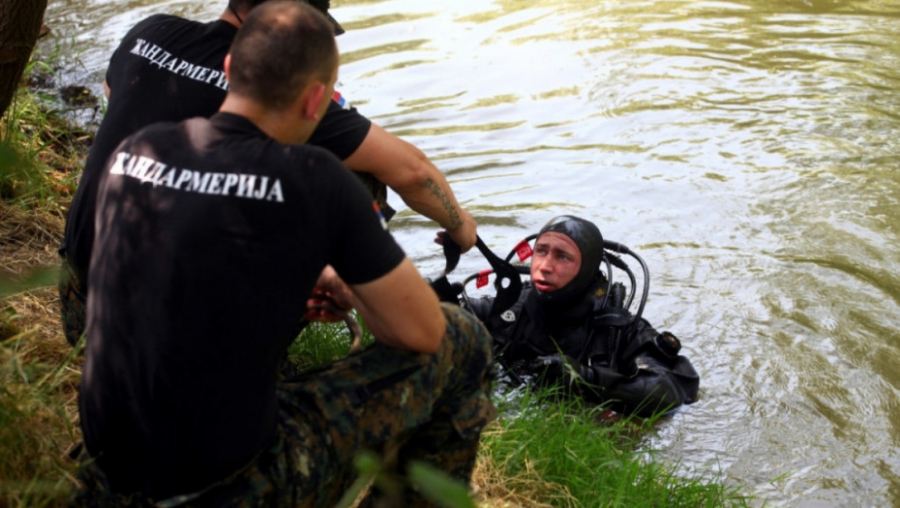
{"points": [[571, 327]]}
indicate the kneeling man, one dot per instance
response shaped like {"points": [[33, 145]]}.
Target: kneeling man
{"points": [[211, 237]]}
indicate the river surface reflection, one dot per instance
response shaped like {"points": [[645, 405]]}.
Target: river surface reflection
{"points": [[747, 149]]}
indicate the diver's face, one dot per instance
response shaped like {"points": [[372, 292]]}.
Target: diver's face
{"points": [[555, 263]]}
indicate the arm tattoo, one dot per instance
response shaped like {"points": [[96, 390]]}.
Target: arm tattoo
{"points": [[451, 210]]}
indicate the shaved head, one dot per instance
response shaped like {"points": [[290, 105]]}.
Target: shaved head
{"points": [[280, 48]]}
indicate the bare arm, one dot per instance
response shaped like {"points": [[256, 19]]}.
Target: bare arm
{"points": [[406, 169], [106, 89], [399, 308]]}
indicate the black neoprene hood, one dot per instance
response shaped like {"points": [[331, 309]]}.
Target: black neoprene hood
{"points": [[587, 237]]}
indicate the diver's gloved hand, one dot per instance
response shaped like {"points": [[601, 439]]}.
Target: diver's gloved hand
{"points": [[559, 369]]}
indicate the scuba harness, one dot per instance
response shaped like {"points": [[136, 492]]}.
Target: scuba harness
{"points": [[508, 282]]}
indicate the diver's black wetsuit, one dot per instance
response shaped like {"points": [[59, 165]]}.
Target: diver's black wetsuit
{"points": [[637, 373]]}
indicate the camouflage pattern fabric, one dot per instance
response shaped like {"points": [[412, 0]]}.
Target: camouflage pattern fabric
{"points": [[72, 300], [399, 404]]}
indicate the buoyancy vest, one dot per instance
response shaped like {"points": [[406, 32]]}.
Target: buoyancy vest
{"points": [[528, 329], [583, 331]]}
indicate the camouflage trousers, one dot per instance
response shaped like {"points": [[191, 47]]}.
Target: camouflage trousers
{"points": [[72, 299], [402, 405]]}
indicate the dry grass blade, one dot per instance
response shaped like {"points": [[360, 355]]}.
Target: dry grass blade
{"points": [[29, 238]]}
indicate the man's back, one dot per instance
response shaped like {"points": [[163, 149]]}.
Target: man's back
{"points": [[210, 238], [169, 69], [166, 69]]}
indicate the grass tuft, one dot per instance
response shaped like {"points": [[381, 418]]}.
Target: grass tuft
{"points": [[559, 452], [38, 422], [41, 152]]}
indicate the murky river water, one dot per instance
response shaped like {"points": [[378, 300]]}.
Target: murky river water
{"points": [[748, 149]]}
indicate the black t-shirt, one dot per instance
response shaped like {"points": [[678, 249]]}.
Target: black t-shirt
{"points": [[168, 69], [210, 238]]}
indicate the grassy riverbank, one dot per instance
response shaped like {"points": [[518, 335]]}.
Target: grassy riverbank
{"points": [[549, 454]]}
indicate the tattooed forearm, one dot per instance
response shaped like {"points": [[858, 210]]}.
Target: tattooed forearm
{"points": [[452, 211]]}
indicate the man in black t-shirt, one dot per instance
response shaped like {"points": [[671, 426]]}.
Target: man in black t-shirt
{"points": [[211, 236], [169, 69]]}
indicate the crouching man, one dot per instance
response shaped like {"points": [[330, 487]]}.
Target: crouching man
{"points": [[212, 235]]}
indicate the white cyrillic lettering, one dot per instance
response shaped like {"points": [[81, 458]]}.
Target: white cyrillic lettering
{"points": [[151, 51], [161, 61], [245, 186], [129, 167], [222, 82], [183, 178], [165, 60], [215, 185], [116, 168], [138, 48], [154, 174], [168, 180], [140, 169], [199, 183], [145, 169], [189, 69], [231, 180], [263, 185], [275, 192]]}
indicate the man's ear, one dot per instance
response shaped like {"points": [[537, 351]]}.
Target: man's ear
{"points": [[227, 67], [314, 95]]}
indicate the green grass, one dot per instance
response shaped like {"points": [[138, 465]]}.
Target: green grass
{"points": [[321, 343], [37, 426], [566, 454], [41, 152]]}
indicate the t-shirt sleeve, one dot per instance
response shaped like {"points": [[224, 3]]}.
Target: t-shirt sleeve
{"points": [[341, 131], [362, 249]]}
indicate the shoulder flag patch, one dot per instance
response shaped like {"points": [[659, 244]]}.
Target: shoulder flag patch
{"points": [[380, 215], [342, 102]]}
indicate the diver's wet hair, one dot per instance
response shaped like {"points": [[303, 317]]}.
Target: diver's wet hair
{"points": [[281, 46]]}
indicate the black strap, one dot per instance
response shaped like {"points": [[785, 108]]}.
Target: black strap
{"points": [[508, 282], [446, 291]]}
